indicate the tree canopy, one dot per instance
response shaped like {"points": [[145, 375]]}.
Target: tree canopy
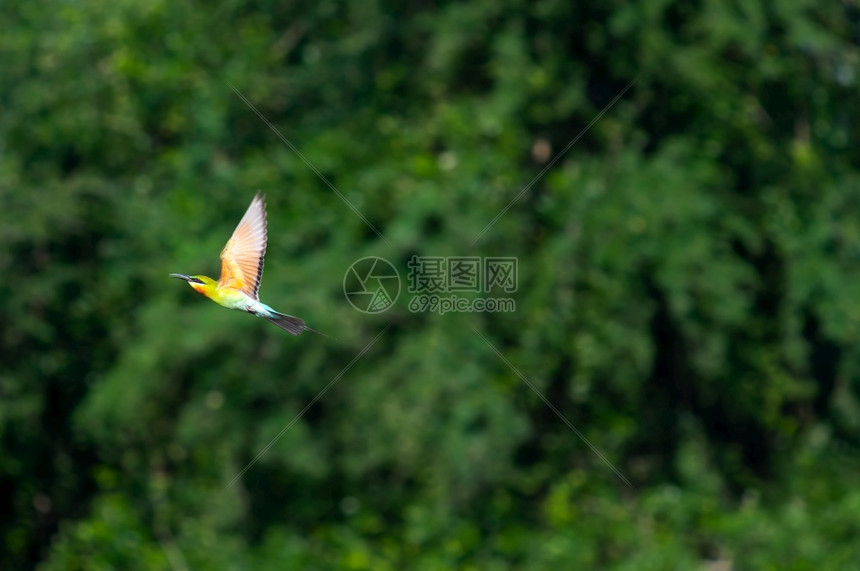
{"points": [[678, 185]]}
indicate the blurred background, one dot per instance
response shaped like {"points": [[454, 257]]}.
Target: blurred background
{"points": [[687, 294]]}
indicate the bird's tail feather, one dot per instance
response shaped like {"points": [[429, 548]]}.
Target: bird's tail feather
{"points": [[290, 324]]}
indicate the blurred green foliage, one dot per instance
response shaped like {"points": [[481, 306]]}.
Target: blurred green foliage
{"points": [[687, 285]]}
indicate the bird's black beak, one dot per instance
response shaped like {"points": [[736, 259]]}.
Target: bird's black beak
{"points": [[181, 277]]}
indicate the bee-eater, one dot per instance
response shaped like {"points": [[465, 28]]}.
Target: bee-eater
{"points": [[242, 270]]}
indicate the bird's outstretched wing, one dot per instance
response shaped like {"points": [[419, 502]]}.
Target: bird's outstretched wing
{"points": [[242, 257]]}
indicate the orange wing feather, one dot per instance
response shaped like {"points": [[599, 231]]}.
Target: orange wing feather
{"points": [[242, 257]]}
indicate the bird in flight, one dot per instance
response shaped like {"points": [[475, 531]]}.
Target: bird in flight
{"points": [[242, 270]]}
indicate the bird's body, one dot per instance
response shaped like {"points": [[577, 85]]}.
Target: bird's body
{"points": [[242, 270]]}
